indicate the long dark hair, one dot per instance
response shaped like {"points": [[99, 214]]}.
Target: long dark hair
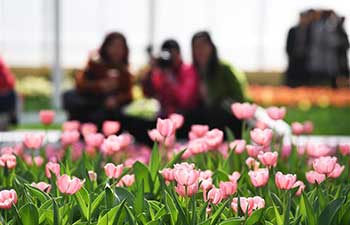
{"points": [[107, 41], [213, 59]]}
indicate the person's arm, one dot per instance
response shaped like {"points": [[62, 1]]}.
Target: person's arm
{"points": [[85, 85]]}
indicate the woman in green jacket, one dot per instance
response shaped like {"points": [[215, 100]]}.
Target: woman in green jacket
{"points": [[221, 84]]}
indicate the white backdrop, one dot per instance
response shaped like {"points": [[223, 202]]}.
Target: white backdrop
{"points": [[251, 33]]}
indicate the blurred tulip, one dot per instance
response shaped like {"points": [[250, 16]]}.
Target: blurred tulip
{"points": [[45, 187], [113, 171], [259, 177], [268, 159], [276, 113], [165, 127], [215, 195], [261, 137], [238, 146], [312, 177], [8, 160], [110, 127], [33, 140], [324, 165], [52, 167], [47, 116], [243, 111], [177, 119]]}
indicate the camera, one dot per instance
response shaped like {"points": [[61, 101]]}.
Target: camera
{"points": [[164, 59]]}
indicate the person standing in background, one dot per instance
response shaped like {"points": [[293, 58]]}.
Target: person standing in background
{"points": [[298, 45], [7, 96]]}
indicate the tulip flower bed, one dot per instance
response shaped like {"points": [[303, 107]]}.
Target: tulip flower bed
{"points": [[104, 178]]}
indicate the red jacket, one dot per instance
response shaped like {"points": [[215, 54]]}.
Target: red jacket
{"points": [[176, 93], [7, 80]]}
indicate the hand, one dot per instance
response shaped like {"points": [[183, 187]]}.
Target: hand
{"points": [[108, 85]]}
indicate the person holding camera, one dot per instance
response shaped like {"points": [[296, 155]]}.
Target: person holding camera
{"points": [[172, 82]]}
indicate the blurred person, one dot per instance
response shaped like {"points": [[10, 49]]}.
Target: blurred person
{"points": [[7, 96], [323, 63], [343, 52], [172, 82], [104, 86], [221, 85], [298, 44]]}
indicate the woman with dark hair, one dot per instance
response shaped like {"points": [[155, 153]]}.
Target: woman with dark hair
{"points": [[104, 86], [221, 84]]}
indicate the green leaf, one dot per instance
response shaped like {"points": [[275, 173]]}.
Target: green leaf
{"points": [[171, 207], [277, 200], [122, 194], [142, 174], [56, 217], [97, 201], [42, 196], [29, 214], [306, 210], [321, 197], [278, 216], [139, 199], [229, 134], [228, 163], [155, 161], [233, 221], [330, 211], [220, 175], [254, 217], [109, 217], [180, 209], [287, 210], [176, 159], [83, 199], [216, 216]]}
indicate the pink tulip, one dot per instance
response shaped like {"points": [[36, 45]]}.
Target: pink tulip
{"points": [[268, 159], [45, 187], [234, 177], [113, 171], [337, 171], [7, 198], [155, 136], [67, 185], [248, 204], [301, 186], [214, 138], [38, 160], [52, 167], [344, 149], [186, 177], [69, 137], [261, 125], [286, 150], [94, 139], [165, 127], [253, 150], [276, 113], [186, 191], [203, 175], [285, 182], [8, 160], [46, 116], [126, 139], [308, 127], [92, 175], [243, 111], [325, 164], [198, 131], [228, 188], [167, 174], [126, 181], [312, 177], [111, 145], [317, 150], [238, 146], [177, 119], [215, 195], [261, 137], [7, 150], [297, 128], [206, 185], [71, 125], [259, 177], [197, 146], [53, 153], [110, 127], [252, 163], [33, 140]]}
